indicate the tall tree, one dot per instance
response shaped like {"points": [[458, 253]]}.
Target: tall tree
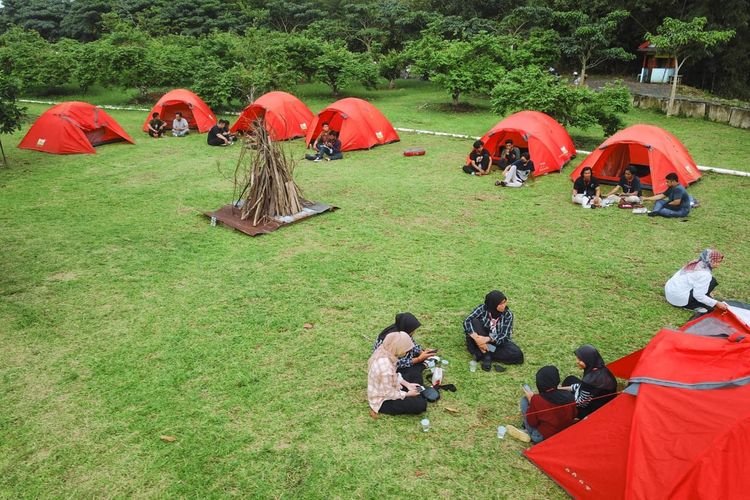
{"points": [[10, 113], [685, 39], [83, 20], [591, 39]]}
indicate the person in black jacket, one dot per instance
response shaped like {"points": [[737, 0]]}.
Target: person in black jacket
{"points": [[598, 385]]}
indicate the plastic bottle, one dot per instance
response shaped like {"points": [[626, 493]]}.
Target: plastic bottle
{"points": [[501, 430]]}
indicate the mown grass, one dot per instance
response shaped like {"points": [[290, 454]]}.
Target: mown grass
{"points": [[124, 316]]}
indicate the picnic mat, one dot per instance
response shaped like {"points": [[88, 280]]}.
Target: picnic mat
{"points": [[229, 215]]}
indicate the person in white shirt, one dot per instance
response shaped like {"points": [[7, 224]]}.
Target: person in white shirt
{"points": [[180, 126], [691, 286]]}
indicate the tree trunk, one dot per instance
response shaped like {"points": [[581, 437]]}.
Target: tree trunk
{"points": [[5, 160], [673, 93], [392, 83], [455, 95], [582, 76]]}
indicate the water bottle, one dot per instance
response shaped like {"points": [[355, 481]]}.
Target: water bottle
{"points": [[437, 376], [213, 221]]}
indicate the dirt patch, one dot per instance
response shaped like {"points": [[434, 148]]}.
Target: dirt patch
{"points": [[64, 276]]}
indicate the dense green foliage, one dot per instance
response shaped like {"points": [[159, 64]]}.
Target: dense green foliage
{"points": [[10, 112], [598, 34]]}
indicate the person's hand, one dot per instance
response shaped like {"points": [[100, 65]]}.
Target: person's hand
{"points": [[722, 306], [412, 392], [529, 394]]}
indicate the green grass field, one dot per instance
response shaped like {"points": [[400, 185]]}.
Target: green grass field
{"points": [[125, 316]]}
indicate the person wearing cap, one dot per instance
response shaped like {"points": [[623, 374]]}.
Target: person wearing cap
{"points": [[692, 285], [597, 387], [387, 391], [489, 329], [479, 161]]}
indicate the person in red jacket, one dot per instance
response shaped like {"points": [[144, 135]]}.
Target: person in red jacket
{"points": [[547, 413]]}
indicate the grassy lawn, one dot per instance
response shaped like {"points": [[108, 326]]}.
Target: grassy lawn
{"points": [[124, 316]]}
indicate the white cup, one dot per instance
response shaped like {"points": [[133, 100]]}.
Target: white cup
{"points": [[425, 425], [501, 430], [472, 366]]}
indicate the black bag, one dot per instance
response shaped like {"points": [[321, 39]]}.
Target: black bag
{"points": [[430, 394]]}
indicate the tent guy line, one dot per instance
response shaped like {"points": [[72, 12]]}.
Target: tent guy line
{"points": [[702, 168]]}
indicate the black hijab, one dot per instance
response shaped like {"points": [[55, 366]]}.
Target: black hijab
{"points": [[596, 374], [492, 300], [547, 380], [405, 322]]}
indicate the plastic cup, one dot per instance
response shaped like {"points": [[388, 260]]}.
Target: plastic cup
{"points": [[425, 425], [472, 366], [501, 430]]}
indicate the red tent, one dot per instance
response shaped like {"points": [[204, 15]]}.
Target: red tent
{"points": [[547, 142], [652, 150], [360, 124], [680, 430], [285, 116], [73, 127], [192, 107]]}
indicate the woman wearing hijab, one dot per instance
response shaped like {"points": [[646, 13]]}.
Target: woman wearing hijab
{"points": [[488, 331], [598, 385], [411, 364], [384, 384], [547, 413], [691, 286]]}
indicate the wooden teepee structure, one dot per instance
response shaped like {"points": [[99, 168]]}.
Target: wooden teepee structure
{"points": [[264, 178]]}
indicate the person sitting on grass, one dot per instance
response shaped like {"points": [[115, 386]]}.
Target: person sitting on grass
{"points": [[411, 364], [509, 154], [180, 126], [385, 384], [219, 134], [330, 149], [320, 141], [586, 190], [546, 413], [598, 386], [479, 161], [692, 285], [488, 331], [628, 190], [674, 202], [156, 126], [517, 173]]}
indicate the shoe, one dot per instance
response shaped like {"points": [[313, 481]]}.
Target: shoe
{"points": [[517, 433], [317, 159], [700, 310], [651, 214], [503, 183], [486, 363], [499, 368]]}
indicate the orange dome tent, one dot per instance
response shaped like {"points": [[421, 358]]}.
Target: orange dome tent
{"points": [[286, 117], [73, 127], [360, 124], [652, 150], [548, 143], [192, 107]]}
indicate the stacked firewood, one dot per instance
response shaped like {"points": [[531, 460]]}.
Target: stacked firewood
{"points": [[264, 178]]}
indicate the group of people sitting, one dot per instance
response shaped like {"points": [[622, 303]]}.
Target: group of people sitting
{"points": [[157, 127], [327, 145], [395, 380], [674, 202], [218, 135], [517, 167]]}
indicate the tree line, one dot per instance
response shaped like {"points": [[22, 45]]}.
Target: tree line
{"points": [[231, 51]]}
